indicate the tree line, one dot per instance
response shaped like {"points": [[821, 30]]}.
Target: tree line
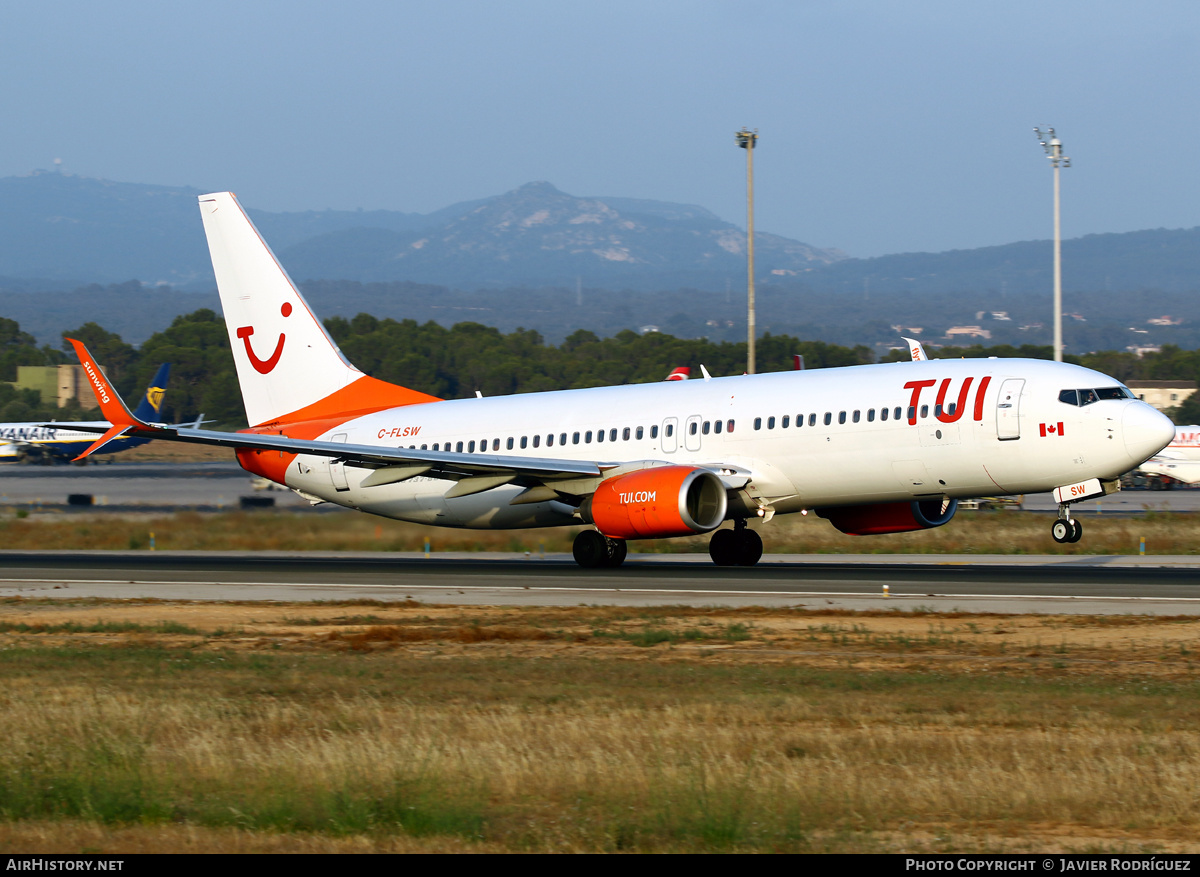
{"points": [[456, 362]]}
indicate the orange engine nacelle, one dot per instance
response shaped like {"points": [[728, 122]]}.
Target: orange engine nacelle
{"points": [[890, 517], [659, 502]]}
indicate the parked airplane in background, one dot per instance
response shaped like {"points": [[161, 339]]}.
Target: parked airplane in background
{"points": [[48, 442], [874, 449], [1180, 459]]}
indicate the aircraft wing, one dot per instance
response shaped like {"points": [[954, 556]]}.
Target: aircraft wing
{"points": [[403, 462], [1187, 471]]}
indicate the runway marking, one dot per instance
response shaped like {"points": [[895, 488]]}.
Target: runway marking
{"points": [[465, 588]]}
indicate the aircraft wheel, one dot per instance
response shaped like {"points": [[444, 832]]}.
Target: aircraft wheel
{"points": [[1076, 531], [722, 548], [1062, 531], [617, 550], [749, 547], [590, 549]]}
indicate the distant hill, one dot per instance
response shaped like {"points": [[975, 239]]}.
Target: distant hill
{"points": [[74, 230]]}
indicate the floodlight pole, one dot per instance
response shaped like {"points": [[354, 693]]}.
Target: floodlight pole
{"points": [[1053, 147], [747, 140]]}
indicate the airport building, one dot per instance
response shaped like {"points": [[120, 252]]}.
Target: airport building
{"points": [[1163, 394], [62, 383]]}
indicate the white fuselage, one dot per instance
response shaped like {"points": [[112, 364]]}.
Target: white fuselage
{"points": [[828, 437]]}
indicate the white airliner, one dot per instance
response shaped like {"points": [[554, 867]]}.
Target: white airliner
{"points": [[874, 449], [1180, 459]]}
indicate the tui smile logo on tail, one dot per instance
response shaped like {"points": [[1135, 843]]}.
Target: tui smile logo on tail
{"points": [[264, 366]]}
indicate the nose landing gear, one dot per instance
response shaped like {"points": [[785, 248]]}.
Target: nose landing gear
{"points": [[1066, 528]]}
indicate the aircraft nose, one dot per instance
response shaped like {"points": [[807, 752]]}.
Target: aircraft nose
{"points": [[1146, 431]]}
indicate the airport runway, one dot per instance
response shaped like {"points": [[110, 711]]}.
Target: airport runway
{"points": [[1077, 585], [215, 486]]}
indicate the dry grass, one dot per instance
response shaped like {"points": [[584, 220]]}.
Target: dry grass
{"points": [[1004, 532], [370, 726]]}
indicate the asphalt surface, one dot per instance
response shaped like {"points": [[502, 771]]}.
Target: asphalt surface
{"points": [[1161, 585], [1085, 585], [216, 486]]}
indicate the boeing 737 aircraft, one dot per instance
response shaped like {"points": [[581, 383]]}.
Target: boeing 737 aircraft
{"points": [[874, 449], [47, 442]]}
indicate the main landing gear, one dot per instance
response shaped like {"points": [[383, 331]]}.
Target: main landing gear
{"points": [[740, 546], [1066, 528], [594, 550]]}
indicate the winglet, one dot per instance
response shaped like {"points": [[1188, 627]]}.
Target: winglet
{"points": [[111, 405], [915, 350]]}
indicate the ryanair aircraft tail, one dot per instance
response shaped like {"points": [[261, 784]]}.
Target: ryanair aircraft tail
{"points": [[150, 409]]}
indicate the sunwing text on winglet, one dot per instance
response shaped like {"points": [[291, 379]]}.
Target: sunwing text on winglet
{"points": [[111, 405]]}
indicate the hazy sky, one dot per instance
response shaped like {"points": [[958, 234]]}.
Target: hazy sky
{"points": [[885, 126]]}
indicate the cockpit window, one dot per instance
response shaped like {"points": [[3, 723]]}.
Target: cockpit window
{"points": [[1087, 397]]}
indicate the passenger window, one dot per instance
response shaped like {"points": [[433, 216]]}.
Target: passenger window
{"points": [[717, 427], [471, 446], [812, 420], [524, 442], [883, 413], [599, 435], [562, 439], [575, 438], [770, 423], [937, 410], [870, 415], [640, 432], [458, 447], [424, 447], [951, 408], [435, 446], [612, 434], [654, 431], [670, 430], [841, 417], [692, 427], [924, 411], [496, 444], [758, 423], [550, 440], [828, 418], [587, 437], [625, 434], [706, 427], [912, 412], [729, 426], [537, 440], [857, 415], [787, 419], [896, 413]]}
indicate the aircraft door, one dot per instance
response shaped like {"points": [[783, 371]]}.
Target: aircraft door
{"points": [[691, 433], [337, 468], [1008, 410], [670, 435]]}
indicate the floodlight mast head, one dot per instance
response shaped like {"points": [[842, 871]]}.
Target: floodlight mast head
{"points": [[746, 138], [1053, 146]]}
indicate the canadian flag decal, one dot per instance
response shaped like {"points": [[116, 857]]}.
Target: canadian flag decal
{"points": [[1052, 429]]}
